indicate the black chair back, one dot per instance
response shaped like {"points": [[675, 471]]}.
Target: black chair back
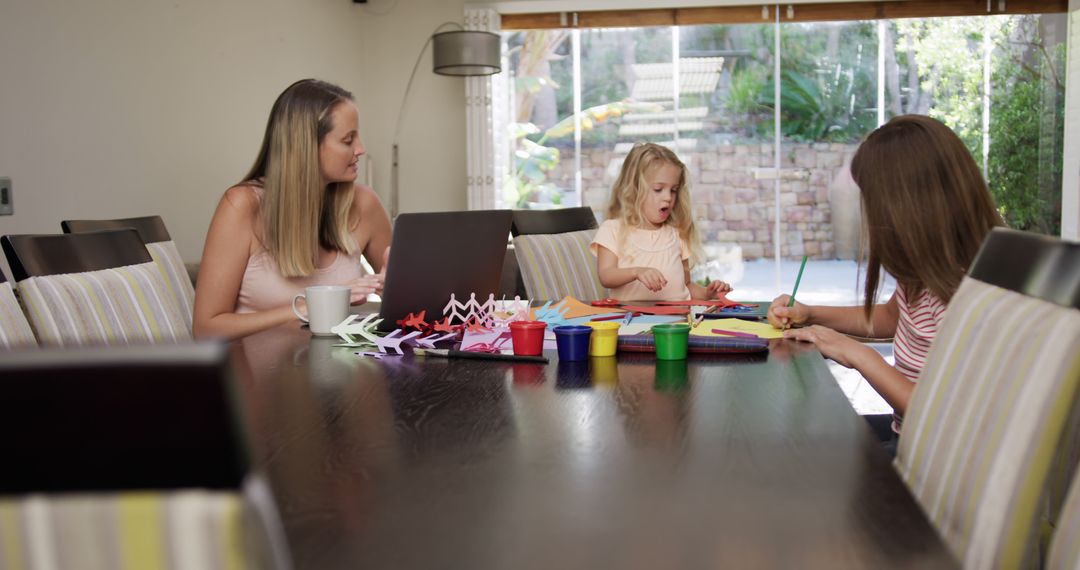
{"points": [[1039, 266], [151, 228], [529, 222], [104, 419], [37, 255]]}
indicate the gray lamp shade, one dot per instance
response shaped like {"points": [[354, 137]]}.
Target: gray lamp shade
{"points": [[466, 52]]}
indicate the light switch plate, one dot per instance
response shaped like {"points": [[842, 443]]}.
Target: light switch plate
{"points": [[7, 207]]}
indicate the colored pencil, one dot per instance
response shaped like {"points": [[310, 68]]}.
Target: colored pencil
{"points": [[615, 317], [734, 333], [798, 278]]}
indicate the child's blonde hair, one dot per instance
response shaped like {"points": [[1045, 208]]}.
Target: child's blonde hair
{"points": [[628, 194]]}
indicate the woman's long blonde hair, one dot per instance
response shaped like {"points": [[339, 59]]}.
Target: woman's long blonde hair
{"points": [[628, 194], [926, 208], [301, 214]]}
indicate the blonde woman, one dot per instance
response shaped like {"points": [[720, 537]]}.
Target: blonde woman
{"points": [[298, 219]]}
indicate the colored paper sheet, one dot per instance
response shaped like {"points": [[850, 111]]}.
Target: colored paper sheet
{"points": [[576, 309], [762, 330], [658, 310]]}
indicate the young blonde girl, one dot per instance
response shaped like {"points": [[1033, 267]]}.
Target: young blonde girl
{"points": [[645, 247]]}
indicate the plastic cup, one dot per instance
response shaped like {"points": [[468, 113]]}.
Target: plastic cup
{"points": [[670, 375], [671, 340], [572, 374], [527, 337], [604, 339], [572, 342], [605, 371]]}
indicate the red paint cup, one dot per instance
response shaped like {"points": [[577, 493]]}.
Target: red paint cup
{"points": [[527, 337]]}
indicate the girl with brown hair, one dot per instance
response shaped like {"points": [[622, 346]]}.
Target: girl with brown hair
{"points": [[298, 219], [926, 210]]}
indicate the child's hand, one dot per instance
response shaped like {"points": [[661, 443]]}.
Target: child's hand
{"points": [[845, 350], [652, 279], [717, 288], [782, 316]]}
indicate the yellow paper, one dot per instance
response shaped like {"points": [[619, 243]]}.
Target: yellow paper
{"points": [[761, 329]]}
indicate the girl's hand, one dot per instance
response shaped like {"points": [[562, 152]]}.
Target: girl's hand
{"points": [[782, 316], [363, 287], [839, 347], [652, 279], [717, 288]]}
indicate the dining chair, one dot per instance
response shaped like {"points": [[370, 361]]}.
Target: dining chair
{"points": [[1065, 544], [130, 457], [552, 252], [557, 221], [161, 247], [93, 288], [15, 331], [989, 422]]}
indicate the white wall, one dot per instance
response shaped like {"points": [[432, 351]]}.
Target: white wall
{"points": [[432, 142]]}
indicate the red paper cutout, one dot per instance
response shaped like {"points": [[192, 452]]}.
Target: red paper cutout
{"points": [[443, 325], [414, 321], [658, 310]]}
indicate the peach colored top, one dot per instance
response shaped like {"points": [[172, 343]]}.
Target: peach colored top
{"points": [[660, 249], [263, 286]]}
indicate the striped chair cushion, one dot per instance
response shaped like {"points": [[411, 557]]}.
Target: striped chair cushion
{"points": [[15, 332], [986, 420], [123, 305], [174, 531], [167, 256], [1065, 548], [556, 265]]}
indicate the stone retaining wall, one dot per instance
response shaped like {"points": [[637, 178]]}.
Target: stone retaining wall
{"points": [[733, 195]]}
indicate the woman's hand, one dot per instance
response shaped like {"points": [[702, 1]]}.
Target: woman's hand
{"points": [[717, 288], [782, 316], [652, 279], [837, 346], [363, 287]]}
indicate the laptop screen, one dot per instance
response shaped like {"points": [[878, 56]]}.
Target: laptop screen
{"points": [[435, 254]]}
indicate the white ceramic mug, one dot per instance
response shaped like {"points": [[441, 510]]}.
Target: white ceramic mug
{"points": [[327, 306]]}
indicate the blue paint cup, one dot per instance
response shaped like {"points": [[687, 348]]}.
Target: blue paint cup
{"points": [[572, 342]]}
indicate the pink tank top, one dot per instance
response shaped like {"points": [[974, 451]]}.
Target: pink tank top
{"points": [[263, 287]]}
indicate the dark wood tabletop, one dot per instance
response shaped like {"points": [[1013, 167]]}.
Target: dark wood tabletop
{"points": [[627, 462]]}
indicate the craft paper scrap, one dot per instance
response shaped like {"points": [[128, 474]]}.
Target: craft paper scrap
{"points": [[576, 309], [762, 330]]}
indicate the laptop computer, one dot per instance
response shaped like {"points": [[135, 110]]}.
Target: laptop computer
{"points": [[435, 254]]}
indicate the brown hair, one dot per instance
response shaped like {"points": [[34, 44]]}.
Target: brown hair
{"points": [[300, 213], [628, 193], [926, 208]]}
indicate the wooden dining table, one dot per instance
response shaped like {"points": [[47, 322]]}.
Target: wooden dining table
{"points": [[721, 461]]}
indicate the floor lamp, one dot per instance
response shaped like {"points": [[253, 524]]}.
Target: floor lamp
{"points": [[464, 53]]}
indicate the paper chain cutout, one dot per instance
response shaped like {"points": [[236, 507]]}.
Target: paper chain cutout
{"points": [[477, 317]]}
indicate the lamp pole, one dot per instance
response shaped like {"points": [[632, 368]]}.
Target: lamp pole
{"points": [[460, 53]]}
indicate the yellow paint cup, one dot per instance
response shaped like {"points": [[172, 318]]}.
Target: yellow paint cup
{"points": [[604, 339]]}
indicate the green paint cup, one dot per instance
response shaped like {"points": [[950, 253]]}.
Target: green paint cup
{"points": [[671, 340]]}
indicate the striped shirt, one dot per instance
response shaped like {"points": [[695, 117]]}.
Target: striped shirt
{"points": [[915, 331]]}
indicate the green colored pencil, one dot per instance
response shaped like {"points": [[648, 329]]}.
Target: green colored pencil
{"points": [[791, 302]]}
